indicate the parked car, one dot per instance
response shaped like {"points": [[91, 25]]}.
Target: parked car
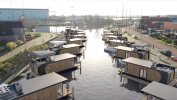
{"points": [[166, 53], [174, 58], [154, 34], [144, 31]]}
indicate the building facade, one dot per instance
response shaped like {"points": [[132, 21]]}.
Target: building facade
{"points": [[11, 31], [18, 14], [152, 22], [8, 14], [170, 26]]}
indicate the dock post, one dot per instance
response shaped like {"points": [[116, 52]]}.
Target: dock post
{"points": [[120, 78], [80, 68], [72, 93], [62, 89], [112, 59], [140, 85]]}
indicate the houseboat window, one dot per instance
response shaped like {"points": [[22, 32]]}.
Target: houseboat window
{"points": [[143, 73], [127, 55]]}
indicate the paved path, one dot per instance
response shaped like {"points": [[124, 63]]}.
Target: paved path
{"points": [[37, 41], [151, 41], [154, 54]]}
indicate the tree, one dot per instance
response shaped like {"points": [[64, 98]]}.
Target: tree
{"points": [[29, 24]]}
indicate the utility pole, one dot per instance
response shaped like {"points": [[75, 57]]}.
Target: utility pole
{"points": [[130, 18], [23, 20], [122, 12], [12, 10]]}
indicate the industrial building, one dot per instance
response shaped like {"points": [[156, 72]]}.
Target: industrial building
{"points": [[16, 14], [19, 14], [152, 22], [170, 26], [11, 31]]}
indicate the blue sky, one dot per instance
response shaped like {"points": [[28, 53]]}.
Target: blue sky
{"points": [[99, 7]]}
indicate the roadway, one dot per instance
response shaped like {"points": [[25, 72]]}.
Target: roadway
{"points": [[37, 41], [151, 41], [155, 54]]}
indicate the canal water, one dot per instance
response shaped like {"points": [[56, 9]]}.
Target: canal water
{"points": [[98, 78]]}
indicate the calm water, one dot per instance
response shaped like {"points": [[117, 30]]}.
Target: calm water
{"points": [[98, 79]]}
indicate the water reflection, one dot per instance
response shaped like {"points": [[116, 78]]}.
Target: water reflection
{"points": [[71, 74], [132, 85], [99, 79]]}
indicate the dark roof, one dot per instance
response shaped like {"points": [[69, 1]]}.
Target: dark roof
{"points": [[42, 54], [161, 91], [11, 24]]}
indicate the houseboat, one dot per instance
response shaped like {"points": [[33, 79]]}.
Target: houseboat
{"points": [[105, 35], [69, 33], [115, 43], [106, 31], [55, 44], [123, 52], [51, 86], [144, 46], [78, 41], [112, 37], [68, 48], [159, 91], [119, 42], [43, 62], [80, 36], [148, 71], [80, 33], [72, 49]]}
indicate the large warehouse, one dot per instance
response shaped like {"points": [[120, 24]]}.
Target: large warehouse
{"points": [[16, 14]]}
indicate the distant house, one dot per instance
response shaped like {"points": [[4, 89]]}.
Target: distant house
{"points": [[30, 16], [170, 26], [152, 22], [171, 29], [11, 31]]}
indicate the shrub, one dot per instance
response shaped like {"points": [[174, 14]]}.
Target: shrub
{"points": [[166, 40], [18, 42], [174, 42], [13, 65], [37, 35], [11, 45], [27, 34]]}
